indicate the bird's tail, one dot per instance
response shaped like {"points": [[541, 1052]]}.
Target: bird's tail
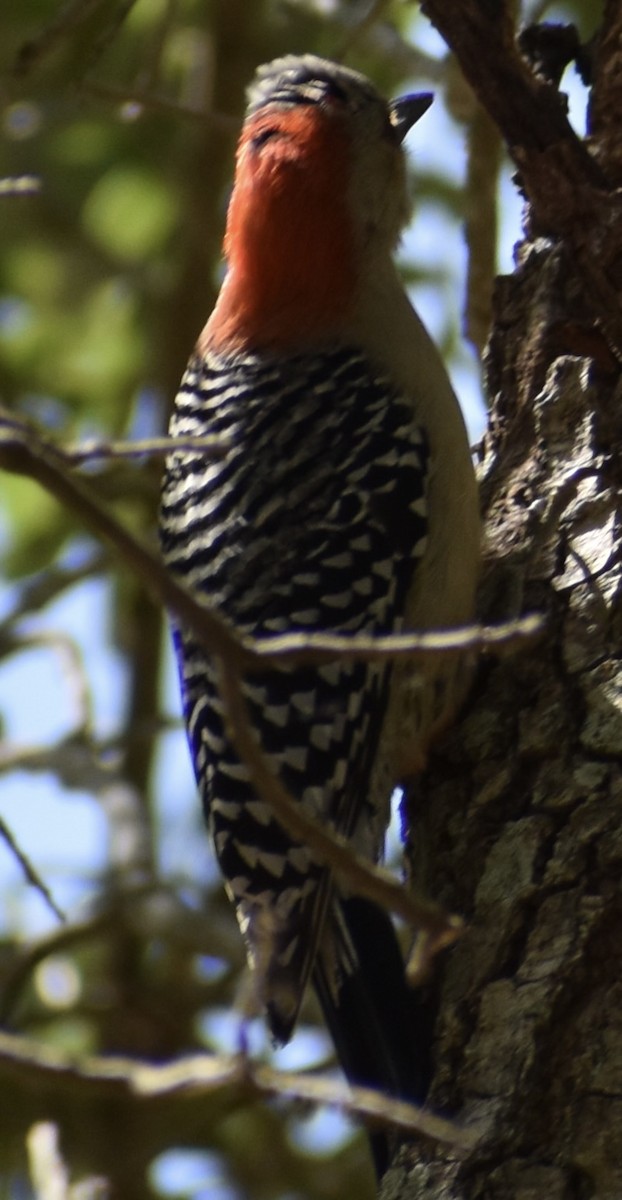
{"points": [[378, 1024]]}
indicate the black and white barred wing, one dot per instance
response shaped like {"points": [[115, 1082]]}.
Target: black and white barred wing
{"points": [[313, 522]]}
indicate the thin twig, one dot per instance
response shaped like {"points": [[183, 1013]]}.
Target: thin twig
{"points": [[147, 907], [213, 447], [48, 1172], [25, 452], [300, 648], [20, 185], [142, 1083], [365, 1103], [30, 872], [151, 100], [72, 665], [59, 940], [68, 16], [362, 26], [42, 589]]}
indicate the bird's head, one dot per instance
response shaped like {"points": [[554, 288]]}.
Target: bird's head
{"points": [[314, 124], [319, 193]]}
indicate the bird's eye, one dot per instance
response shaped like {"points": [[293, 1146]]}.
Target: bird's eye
{"points": [[264, 135], [336, 92]]}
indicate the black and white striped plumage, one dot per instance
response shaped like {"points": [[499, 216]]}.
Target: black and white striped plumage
{"points": [[347, 503], [314, 520]]}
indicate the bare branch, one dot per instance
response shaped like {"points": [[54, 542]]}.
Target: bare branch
{"points": [[60, 939], [365, 1103], [25, 452], [68, 18], [197, 1077], [72, 664], [146, 98], [76, 760], [149, 910], [370, 18], [45, 587], [48, 1172], [569, 192], [212, 447], [30, 872], [299, 648], [19, 185]]}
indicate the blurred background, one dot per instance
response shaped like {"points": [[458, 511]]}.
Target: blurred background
{"points": [[118, 121]]}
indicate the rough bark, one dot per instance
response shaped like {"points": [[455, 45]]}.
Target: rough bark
{"points": [[519, 816]]}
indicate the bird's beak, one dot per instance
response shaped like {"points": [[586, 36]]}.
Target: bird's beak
{"points": [[406, 110]]}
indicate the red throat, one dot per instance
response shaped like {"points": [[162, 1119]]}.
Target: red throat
{"points": [[289, 240]]}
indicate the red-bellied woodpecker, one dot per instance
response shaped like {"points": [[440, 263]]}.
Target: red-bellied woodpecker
{"points": [[347, 504]]}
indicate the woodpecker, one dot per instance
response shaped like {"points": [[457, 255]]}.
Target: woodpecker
{"points": [[347, 504]]}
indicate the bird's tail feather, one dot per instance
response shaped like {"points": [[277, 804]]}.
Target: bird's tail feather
{"points": [[378, 1024]]}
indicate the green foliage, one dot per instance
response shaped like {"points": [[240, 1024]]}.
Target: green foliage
{"points": [[130, 214]]}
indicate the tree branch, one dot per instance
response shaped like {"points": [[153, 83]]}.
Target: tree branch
{"points": [[570, 195], [212, 446], [30, 872], [19, 185], [24, 452], [145, 1084]]}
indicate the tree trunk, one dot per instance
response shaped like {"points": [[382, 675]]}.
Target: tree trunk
{"points": [[519, 815]]}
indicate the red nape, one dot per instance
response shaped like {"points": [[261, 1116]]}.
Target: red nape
{"points": [[289, 242]]}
